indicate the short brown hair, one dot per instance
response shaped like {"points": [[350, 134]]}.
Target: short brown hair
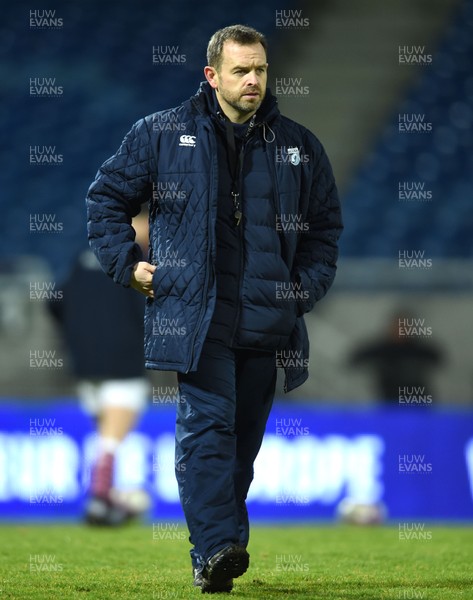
{"points": [[241, 34]]}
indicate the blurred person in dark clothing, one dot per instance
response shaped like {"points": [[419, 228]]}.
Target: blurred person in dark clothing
{"points": [[401, 361], [102, 325]]}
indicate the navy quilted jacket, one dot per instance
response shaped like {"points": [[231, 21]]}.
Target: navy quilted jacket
{"points": [[290, 227]]}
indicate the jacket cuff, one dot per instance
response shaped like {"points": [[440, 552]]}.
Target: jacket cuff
{"points": [[123, 275], [303, 306]]}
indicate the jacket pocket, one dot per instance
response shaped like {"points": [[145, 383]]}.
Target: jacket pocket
{"points": [[161, 285]]}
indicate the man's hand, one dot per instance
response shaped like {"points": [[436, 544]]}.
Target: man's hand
{"points": [[142, 278]]}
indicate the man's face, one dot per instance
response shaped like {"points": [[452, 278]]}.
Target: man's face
{"points": [[240, 82]]}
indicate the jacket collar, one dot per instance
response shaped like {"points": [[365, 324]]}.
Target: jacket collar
{"points": [[206, 103]]}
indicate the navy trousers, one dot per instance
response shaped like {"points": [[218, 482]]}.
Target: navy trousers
{"points": [[220, 423]]}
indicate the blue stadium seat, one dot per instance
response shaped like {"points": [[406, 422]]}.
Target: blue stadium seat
{"points": [[441, 160]]}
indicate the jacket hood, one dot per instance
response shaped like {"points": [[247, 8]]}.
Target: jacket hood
{"points": [[206, 103]]}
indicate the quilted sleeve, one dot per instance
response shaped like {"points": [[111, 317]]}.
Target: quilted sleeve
{"points": [[317, 249], [121, 185]]}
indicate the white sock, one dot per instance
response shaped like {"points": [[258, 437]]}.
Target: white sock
{"points": [[108, 445]]}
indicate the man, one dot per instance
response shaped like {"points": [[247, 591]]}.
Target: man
{"points": [[221, 193], [102, 327], [399, 361]]}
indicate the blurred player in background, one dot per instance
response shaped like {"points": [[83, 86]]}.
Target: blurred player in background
{"points": [[398, 361], [102, 325]]}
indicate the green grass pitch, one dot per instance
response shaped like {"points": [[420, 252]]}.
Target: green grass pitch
{"points": [[328, 562]]}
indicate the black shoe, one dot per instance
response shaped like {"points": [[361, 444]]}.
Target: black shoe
{"points": [[209, 588], [106, 513], [228, 563]]}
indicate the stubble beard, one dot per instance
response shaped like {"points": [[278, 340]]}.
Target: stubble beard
{"points": [[243, 107]]}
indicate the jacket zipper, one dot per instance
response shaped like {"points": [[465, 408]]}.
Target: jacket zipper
{"points": [[276, 196], [239, 209]]}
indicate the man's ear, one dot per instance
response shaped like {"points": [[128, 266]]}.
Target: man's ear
{"points": [[211, 76]]}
